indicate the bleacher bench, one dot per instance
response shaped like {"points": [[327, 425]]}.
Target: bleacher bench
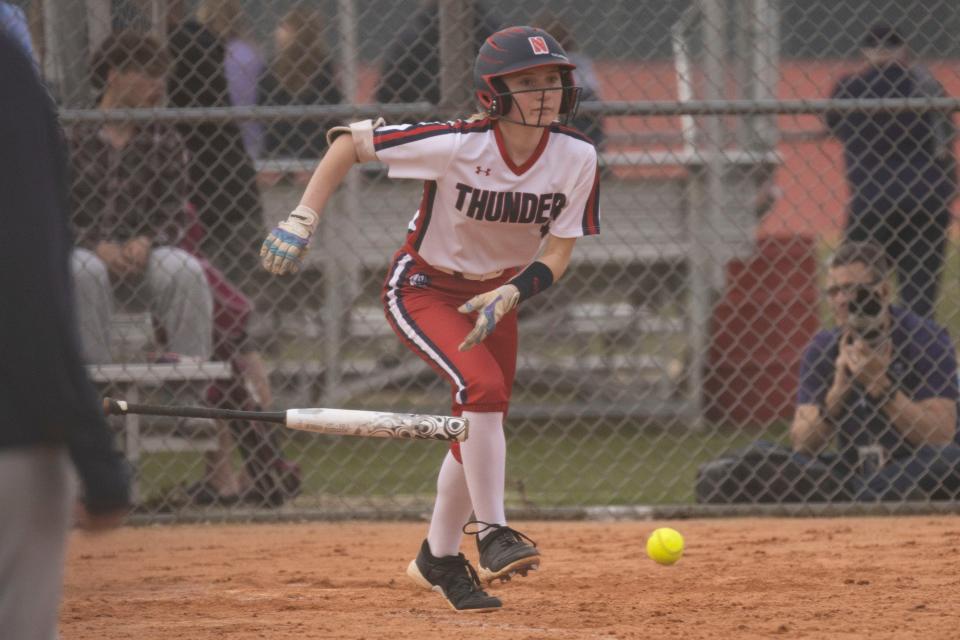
{"points": [[130, 379]]}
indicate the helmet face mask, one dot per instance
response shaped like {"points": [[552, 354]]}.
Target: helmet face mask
{"points": [[517, 49]]}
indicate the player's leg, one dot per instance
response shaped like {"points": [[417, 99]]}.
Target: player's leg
{"points": [[439, 565], [503, 550], [481, 379], [427, 322], [451, 510]]}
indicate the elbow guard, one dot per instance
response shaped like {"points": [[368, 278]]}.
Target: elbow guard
{"points": [[362, 133]]}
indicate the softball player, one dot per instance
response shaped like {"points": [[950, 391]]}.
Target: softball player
{"points": [[506, 194]]}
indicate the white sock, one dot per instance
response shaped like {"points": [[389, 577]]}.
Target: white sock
{"points": [[450, 511], [484, 464]]}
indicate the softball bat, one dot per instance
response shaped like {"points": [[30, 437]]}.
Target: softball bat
{"points": [[341, 422]]}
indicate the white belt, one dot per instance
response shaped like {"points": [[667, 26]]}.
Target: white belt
{"points": [[470, 276]]}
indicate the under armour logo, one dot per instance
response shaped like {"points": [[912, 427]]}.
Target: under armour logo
{"points": [[481, 170]]}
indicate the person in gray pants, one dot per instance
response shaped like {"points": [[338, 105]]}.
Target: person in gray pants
{"points": [[129, 198], [49, 416]]}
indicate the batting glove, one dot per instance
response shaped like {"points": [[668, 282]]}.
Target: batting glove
{"points": [[490, 307], [283, 250]]}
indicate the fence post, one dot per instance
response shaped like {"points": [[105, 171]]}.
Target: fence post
{"points": [[340, 267], [65, 62], [456, 59]]}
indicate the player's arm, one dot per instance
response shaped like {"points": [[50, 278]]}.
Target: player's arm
{"points": [[283, 250], [556, 254]]}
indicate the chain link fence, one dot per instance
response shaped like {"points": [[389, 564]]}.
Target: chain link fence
{"points": [[741, 143]]}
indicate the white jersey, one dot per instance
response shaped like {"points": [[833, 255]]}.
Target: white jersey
{"points": [[480, 212]]}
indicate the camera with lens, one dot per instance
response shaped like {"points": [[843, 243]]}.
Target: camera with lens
{"points": [[867, 319]]}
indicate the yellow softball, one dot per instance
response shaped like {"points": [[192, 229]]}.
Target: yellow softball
{"points": [[665, 545]]}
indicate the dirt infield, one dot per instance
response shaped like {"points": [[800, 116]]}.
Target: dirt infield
{"points": [[742, 578]]}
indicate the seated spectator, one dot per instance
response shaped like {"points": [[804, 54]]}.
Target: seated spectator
{"points": [[243, 61], [876, 415], [129, 190], [140, 240], [301, 73]]}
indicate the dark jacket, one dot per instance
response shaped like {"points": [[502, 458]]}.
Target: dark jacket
{"points": [[45, 393], [303, 138], [411, 68], [224, 187], [139, 190], [895, 160]]}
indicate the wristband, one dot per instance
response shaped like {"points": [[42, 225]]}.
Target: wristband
{"points": [[532, 280]]}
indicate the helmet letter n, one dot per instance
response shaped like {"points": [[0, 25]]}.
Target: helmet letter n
{"points": [[539, 45]]}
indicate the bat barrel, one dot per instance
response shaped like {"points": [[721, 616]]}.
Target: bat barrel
{"points": [[378, 424]]}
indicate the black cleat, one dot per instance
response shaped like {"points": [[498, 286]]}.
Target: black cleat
{"points": [[504, 552], [454, 579]]}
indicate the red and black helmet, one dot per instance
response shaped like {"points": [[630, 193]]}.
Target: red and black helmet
{"points": [[517, 49]]}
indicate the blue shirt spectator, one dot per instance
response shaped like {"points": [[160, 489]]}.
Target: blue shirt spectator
{"points": [[876, 415], [243, 65], [923, 366]]}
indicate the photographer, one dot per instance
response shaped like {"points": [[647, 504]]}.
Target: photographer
{"points": [[881, 388]]}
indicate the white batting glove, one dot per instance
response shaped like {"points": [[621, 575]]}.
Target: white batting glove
{"points": [[490, 307], [283, 250]]}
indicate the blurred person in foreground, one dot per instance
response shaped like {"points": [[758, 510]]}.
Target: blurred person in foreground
{"points": [[876, 415], [14, 21], [50, 414], [302, 73], [900, 165]]}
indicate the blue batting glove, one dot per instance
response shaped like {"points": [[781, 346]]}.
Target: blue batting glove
{"points": [[283, 250], [490, 307]]}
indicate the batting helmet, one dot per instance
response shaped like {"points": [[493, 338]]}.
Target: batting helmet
{"points": [[517, 49]]}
